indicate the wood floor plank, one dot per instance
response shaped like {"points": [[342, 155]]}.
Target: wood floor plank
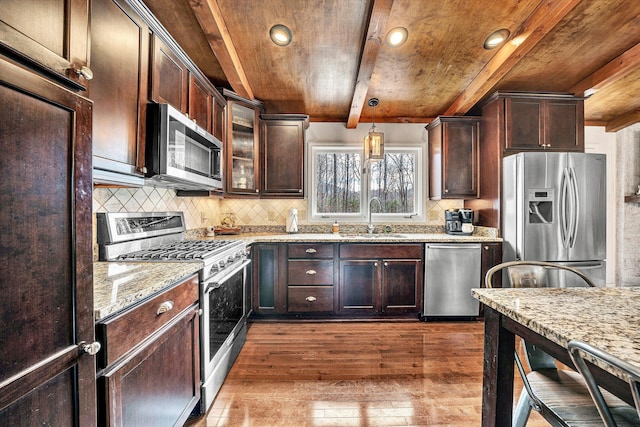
{"points": [[355, 374]]}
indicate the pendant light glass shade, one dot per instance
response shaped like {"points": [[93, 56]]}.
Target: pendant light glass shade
{"points": [[374, 141]]}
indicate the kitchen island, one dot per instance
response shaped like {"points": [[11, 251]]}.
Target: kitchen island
{"points": [[606, 318]]}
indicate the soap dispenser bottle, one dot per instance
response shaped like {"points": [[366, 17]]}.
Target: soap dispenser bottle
{"points": [[336, 227]]}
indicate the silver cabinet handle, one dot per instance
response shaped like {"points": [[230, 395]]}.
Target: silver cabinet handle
{"points": [[386, 264], [310, 272], [310, 298], [84, 71], [375, 264], [92, 348], [164, 307], [311, 251]]}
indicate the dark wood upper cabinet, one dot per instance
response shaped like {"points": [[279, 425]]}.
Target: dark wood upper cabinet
{"points": [[453, 157], [533, 123], [46, 378], [218, 126], [282, 143], [200, 103], [169, 78], [119, 91], [51, 36]]}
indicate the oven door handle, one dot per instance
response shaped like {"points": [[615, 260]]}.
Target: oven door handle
{"points": [[209, 286]]}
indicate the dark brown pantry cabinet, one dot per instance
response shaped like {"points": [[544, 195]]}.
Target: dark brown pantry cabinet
{"points": [[282, 143], [453, 157], [47, 372], [151, 373], [52, 39]]}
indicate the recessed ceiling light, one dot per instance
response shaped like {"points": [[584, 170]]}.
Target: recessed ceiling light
{"points": [[280, 35], [496, 38], [396, 37]]}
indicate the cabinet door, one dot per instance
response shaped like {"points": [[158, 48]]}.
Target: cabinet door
{"points": [[218, 125], [402, 286], [119, 89], [46, 258], [165, 371], [169, 77], [524, 124], [282, 143], [51, 35], [564, 125], [491, 256], [359, 286], [460, 159], [199, 103], [268, 289], [242, 149]]}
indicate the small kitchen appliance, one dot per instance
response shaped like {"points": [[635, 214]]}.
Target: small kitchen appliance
{"points": [[292, 221], [225, 295], [458, 221]]}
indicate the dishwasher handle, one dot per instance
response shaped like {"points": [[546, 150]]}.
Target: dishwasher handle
{"points": [[455, 246]]}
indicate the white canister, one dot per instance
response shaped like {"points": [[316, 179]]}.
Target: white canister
{"points": [[292, 221]]}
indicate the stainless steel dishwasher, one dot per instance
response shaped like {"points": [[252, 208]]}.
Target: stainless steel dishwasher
{"points": [[451, 270]]}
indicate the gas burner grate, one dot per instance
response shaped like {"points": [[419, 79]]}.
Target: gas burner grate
{"points": [[180, 251]]}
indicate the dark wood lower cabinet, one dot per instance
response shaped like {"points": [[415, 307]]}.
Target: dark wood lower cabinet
{"points": [[154, 380]]}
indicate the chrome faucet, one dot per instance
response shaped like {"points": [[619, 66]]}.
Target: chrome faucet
{"points": [[370, 227]]}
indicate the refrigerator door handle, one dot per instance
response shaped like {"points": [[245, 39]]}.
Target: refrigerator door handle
{"points": [[564, 227], [575, 208]]}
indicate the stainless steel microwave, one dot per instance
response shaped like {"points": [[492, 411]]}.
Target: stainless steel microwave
{"points": [[180, 154]]}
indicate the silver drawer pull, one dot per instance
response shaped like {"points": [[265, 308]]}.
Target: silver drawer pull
{"points": [[310, 272], [165, 306], [311, 251], [310, 299]]}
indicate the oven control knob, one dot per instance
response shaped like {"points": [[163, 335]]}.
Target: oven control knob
{"points": [[215, 267], [239, 255], [230, 259]]}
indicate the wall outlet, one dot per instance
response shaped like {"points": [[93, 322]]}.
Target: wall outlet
{"points": [[434, 215], [271, 215]]}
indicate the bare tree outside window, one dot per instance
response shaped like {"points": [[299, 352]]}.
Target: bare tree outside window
{"points": [[392, 180], [338, 182]]}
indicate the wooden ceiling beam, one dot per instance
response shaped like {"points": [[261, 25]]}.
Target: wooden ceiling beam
{"points": [[212, 23], [377, 27], [614, 70], [623, 121], [546, 16]]}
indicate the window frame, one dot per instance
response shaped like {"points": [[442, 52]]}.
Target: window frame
{"points": [[419, 216]]}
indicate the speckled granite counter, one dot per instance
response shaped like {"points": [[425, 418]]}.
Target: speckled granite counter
{"points": [[117, 285], [603, 317], [357, 238]]}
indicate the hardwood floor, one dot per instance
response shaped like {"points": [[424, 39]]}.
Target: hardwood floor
{"points": [[355, 374]]}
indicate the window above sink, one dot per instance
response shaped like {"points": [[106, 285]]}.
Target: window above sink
{"points": [[338, 178]]}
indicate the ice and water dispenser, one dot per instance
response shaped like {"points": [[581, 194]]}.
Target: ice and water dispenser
{"points": [[540, 205]]}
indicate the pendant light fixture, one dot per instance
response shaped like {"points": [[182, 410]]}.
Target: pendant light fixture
{"points": [[374, 141]]}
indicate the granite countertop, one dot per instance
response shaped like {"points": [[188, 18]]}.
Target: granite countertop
{"points": [[356, 238], [118, 285], [606, 318]]}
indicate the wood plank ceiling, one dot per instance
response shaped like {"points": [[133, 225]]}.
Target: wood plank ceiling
{"points": [[338, 58]]}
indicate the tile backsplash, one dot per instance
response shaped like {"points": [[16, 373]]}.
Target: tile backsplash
{"points": [[201, 212]]}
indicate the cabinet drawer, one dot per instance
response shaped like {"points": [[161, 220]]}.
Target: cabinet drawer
{"points": [[307, 272], [124, 331], [310, 298], [378, 251], [311, 250]]}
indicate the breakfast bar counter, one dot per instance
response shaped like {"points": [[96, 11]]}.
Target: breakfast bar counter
{"points": [[606, 318]]}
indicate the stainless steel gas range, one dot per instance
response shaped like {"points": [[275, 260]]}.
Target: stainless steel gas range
{"points": [[225, 294]]}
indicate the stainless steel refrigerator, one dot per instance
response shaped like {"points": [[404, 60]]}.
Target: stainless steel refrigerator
{"points": [[554, 209]]}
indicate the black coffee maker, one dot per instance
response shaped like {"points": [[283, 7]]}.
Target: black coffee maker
{"points": [[458, 221]]}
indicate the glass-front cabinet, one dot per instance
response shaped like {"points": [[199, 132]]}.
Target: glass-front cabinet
{"points": [[242, 145]]}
